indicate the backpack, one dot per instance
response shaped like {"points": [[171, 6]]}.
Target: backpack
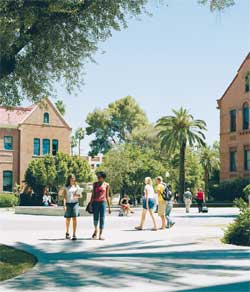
{"points": [[167, 194]]}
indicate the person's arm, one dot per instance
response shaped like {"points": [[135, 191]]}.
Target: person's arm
{"points": [[64, 199], [108, 199], [204, 198]]}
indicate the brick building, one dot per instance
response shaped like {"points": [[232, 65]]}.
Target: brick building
{"points": [[234, 108], [94, 162], [26, 133]]}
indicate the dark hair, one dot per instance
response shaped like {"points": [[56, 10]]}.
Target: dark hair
{"points": [[101, 174], [69, 178]]}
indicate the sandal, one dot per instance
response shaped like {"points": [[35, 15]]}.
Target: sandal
{"points": [[154, 229], [74, 238], [138, 228], [67, 236], [94, 236]]}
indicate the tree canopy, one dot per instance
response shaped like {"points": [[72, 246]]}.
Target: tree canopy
{"points": [[112, 125], [44, 41]]}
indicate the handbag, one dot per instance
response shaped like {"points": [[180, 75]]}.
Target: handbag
{"points": [[89, 208], [204, 209]]}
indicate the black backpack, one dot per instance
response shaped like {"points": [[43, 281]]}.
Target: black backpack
{"points": [[167, 194]]}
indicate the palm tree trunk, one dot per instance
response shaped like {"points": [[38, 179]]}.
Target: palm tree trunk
{"points": [[206, 178], [79, 147], [182, 171]]}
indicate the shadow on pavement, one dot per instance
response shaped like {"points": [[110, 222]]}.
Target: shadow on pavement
{"points": [[120, 265]]}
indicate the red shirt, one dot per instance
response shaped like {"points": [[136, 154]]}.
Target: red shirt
{"points": [[200, 196], [100, 192]]}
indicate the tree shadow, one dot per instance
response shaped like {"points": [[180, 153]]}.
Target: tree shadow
{"points": [[120, 265]]}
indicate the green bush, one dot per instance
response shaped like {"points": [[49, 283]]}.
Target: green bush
{"points": [[229, 190], [8, 200], [238, 232]]}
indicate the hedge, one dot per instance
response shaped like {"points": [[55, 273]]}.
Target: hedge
{"points": [[8, 200], [229, 190]]}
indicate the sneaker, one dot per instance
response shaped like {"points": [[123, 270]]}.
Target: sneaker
{"points": [[74, 238]]}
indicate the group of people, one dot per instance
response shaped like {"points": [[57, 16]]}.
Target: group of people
{"points": [[100, 201]]}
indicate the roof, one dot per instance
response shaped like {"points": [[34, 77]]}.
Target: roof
{"points": [[14, 116], [219, 100]]}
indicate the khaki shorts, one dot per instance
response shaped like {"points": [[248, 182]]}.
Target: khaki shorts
{"points": [[162, 208]]}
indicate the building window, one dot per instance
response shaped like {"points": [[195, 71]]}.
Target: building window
{"points": [[247, 158], [232, 158], [54, 146], [36, 150], [46, 146], [245, 115], [8, 142], [233, 120], [7, 181], [247, 82], [46, 118]]}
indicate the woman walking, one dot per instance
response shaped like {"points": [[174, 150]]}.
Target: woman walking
{"points": [[99, 200], [200, 199], [71, 204], [161, 202], [148, 204]]}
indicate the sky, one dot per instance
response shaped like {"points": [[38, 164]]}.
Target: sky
{"points": [[182, 55]]}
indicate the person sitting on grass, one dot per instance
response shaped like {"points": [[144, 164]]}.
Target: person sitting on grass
{"points": [[125, 205]]}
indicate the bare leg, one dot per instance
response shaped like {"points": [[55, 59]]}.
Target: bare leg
{"points": [[143, 216], [163, 222], [67, 224], [74, 226], [153, 218]]}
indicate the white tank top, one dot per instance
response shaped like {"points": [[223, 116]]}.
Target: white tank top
{"points": [[150, 191], [70, 190]]}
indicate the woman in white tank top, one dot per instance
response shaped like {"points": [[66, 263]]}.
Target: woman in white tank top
{"points": [[148, 204]]}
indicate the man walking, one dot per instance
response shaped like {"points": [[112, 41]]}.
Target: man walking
{"points": [[187, 199]]}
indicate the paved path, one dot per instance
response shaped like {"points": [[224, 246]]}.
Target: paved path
{"points": [[189, 257]]}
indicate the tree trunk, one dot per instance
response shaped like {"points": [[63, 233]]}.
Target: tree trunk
{"points": [[79, 147], [182, 171], [206, 179]]}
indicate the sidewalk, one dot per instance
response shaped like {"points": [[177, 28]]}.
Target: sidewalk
{"points": [[188, 257]]}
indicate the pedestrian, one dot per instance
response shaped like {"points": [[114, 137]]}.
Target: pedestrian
{"points": [[125, 206], [99, 200], [47, 201], [71, 194], [187, 199], [161, 202], [148, 204], [200, 197], [169, 207]]}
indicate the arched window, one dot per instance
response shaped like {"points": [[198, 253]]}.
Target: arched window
{"points": [[46, 118], [245, 116], [247, 82]]}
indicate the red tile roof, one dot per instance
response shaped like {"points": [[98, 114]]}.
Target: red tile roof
{"points": [[14, 116]]}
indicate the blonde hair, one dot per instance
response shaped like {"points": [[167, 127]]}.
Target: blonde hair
{"points": [[159, 178], [148, 181]]}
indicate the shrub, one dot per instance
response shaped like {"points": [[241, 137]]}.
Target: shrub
{"points": [[229, 190], [238, 232], [8, 200]]}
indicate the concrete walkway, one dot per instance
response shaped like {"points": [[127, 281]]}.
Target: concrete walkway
{"points": [[188, 257]]}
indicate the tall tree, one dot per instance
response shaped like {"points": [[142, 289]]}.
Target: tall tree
{"points": [[209, 160], [79, 135], [43, 41], [73, 144], [61, 107], [177, 132], [112, 125]]}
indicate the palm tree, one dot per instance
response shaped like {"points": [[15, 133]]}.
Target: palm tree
{"points": [[79, 135], [61, 107], [177, 132], [73, 144], [209, 160]]}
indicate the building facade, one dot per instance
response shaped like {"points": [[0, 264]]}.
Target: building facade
{"points": [[234, 108], [94, 162], [27, 133]]}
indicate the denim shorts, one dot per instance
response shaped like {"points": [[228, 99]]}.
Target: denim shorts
{"points": [[151, 203], [72, 210]]}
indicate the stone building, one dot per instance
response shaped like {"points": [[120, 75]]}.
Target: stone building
{"points": [[234, 108], [27, 133]]}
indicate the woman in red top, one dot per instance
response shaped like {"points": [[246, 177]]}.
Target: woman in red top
{"points": [[200, 197], [99, 199]]}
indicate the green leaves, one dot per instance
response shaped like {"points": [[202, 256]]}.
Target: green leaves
{"points": [[113, 125]]}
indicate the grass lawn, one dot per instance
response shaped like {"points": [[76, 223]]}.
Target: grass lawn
{"points": [[14, 262]]}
